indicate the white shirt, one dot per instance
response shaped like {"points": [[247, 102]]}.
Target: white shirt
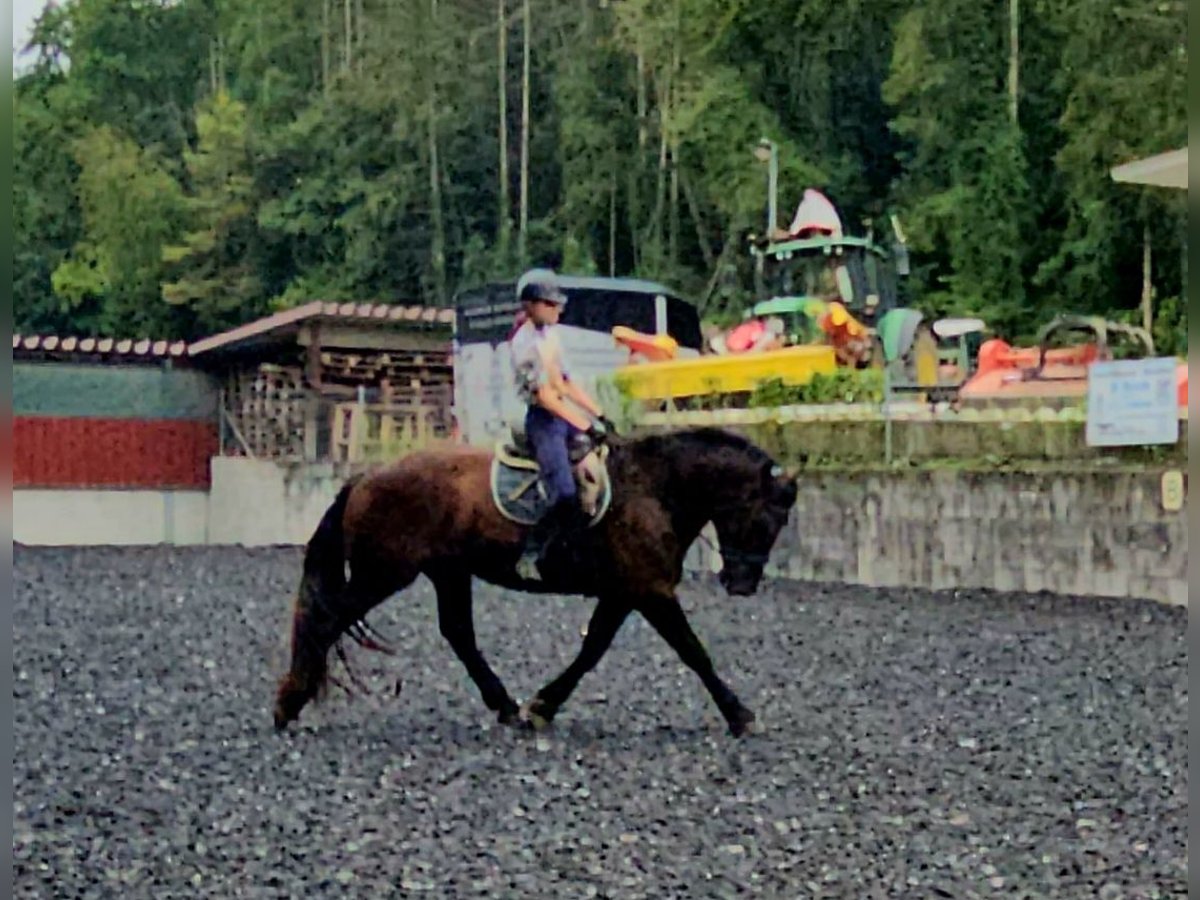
{"points": [[535, 353]]}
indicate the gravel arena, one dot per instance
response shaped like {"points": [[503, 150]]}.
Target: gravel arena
{"points": [[915, 744]]}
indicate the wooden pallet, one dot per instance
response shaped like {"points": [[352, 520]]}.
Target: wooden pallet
{"points": [[268, 408], [271, 412], [393, 366]]}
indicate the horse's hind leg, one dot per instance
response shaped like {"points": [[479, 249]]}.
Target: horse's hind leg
{"points": [[667, 618], [606, 621], [456, 621]]}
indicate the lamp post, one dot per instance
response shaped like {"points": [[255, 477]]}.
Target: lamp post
{"points": [[767, 151]]}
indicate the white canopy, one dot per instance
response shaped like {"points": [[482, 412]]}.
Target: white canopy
{"points": [[1164, 170], [816, 213]]}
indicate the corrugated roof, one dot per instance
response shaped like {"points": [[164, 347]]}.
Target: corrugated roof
{"points": [[379, 312], [70, 345]]}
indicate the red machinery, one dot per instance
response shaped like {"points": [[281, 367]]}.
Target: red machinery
{"points": [[1005, 372]]}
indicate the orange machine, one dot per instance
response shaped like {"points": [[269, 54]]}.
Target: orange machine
{"points": [[1004, 371], [849, 338], [649, 347]]}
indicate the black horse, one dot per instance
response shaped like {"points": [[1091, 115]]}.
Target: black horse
{"points": [[432, 513]]}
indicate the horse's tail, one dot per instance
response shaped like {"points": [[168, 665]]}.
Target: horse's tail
{"points": [[317, 619]]}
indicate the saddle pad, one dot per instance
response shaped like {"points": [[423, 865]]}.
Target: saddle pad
{"points": [[520, 495], [507, 454]]}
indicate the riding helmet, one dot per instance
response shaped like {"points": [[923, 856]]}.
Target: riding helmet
{"points": [[540, 284]]}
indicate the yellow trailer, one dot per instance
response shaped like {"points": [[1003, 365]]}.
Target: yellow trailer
{"points": [[724, 374]]}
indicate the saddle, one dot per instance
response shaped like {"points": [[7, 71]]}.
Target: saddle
{"points": [[517, 488]]}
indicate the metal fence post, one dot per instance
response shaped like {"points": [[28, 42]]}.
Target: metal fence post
{"points": [[887, 413]]}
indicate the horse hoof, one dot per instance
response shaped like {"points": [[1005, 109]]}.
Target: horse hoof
{"points": [[533, 716], [509, 716], [744, 723]]}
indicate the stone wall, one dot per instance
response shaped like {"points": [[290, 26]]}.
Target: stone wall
{"points": [[65, 517], [1085, 533], [259, 502], [1101, 533]]}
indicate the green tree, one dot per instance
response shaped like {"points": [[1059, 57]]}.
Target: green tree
{"points": [[212, 270], [46, 215], [138, 67], [131, 207], [377, 150], [1124, 83], [963, 192]]}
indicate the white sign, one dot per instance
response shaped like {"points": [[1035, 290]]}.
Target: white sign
{"points": [[1132, 402]]}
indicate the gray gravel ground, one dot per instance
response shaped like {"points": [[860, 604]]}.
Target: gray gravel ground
{"points": [[917, 744]]}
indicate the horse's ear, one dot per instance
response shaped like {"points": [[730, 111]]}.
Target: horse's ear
{"points": [[786, 475]]}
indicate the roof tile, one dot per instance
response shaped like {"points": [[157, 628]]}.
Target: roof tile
{"points": [[146, 347]]}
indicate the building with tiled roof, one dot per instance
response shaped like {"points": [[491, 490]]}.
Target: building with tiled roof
{"points": [[116, 439]]}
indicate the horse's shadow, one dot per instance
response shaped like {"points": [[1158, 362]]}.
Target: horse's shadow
{"points": [[432, 730]]}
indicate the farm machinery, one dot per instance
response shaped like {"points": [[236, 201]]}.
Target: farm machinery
{"points": [[830, 301], [822, 292]]}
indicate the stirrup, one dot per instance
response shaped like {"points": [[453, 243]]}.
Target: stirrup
{"points": [[527, 567]]}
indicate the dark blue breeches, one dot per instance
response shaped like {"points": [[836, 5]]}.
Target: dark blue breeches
{"points": [[549, 435]]}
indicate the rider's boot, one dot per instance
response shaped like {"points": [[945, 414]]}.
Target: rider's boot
{"points": [[564, 519]]}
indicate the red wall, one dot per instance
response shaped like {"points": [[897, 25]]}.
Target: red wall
{"points": [[53, 451]]}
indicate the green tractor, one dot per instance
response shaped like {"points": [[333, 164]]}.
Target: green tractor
{"points": [[800, 270]]}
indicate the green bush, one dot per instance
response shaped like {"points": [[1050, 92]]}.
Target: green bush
{"points": [[1171, 327], [839, 386], [614, 398]]}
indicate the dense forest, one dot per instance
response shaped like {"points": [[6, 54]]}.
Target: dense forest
{"points": [[185, 165]]}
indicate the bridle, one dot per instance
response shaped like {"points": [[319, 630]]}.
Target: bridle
{"points": [[734, 555]]}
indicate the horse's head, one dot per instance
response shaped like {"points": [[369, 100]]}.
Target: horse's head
{"points": [[747, 530], [711, 475]]}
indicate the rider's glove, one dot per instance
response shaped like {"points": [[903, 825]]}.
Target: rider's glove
{"points": [[597, 433]]}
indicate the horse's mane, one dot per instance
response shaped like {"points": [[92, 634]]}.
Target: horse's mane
{"points": [[706, 439]]}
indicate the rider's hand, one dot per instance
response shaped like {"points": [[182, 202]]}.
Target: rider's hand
{"points": [[609, 428], [597, 433]]}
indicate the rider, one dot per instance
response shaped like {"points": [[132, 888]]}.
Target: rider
{"points": [[553, 416]]}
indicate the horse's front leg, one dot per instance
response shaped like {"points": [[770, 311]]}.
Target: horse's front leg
{"points": [[667, 618], [606, 621], [456, 622]]}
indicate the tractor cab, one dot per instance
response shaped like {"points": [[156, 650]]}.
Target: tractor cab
{"points": [[805, 272], [814, 260], [816, 284]]}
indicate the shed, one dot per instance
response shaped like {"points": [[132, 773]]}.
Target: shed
{"points": [[341, 381]]}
